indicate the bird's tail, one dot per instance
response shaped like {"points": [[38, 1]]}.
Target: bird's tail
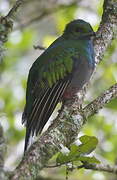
{"points": [[27, 139]]}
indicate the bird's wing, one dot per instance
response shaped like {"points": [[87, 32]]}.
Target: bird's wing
{"points": [[48, 78]]}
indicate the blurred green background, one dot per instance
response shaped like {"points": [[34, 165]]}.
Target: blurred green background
{"points": [[19, 56]]}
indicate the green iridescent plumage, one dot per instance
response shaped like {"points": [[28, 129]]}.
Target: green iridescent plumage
{"points": [[67, 64], [58, 68]]}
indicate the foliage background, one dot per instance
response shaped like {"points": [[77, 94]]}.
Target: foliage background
{"points": [[20, 55]]}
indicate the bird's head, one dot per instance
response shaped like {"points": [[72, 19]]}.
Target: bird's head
{"points": [[79, 29]]}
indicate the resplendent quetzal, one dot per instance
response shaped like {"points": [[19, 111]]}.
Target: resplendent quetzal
{"points": [[57, 74]]}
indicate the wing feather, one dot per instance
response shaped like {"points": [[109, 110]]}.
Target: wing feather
{"points": [[43, 109], [50, 106], [36, 107]]}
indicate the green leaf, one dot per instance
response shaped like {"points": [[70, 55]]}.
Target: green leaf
{"points": [[62, 158], [88, 159], [74, 148], [76, 152], [85, 138], [89, 143]]}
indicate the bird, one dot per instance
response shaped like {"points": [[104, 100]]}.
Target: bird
{"points": [[57, 75]]}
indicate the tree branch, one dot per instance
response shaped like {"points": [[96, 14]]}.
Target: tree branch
{"points": [[39, 47], [2, 154], [101, 101], [107, 29], [13, 10], [98, 167], [102, 167], [6, 26], [46, 12]]}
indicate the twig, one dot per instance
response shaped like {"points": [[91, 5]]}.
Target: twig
{"points": [[101, 101], [39, 47], [15, 7], [102, 167], [46, 12], [37, 18], [54, 166], [6, 26], [98, 167]]}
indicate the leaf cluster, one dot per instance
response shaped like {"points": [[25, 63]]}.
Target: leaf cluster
{"points": [[80, 153]]}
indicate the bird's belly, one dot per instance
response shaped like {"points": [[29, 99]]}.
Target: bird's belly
{"points": [[80, 76]]}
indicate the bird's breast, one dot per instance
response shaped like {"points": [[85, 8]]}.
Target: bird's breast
{"points": [[80, 75]]}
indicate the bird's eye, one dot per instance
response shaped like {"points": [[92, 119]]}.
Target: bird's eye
{"points": [[78, 30]]}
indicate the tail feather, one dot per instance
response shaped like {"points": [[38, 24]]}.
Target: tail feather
{"points": [[42, 109], [52, 105]]}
